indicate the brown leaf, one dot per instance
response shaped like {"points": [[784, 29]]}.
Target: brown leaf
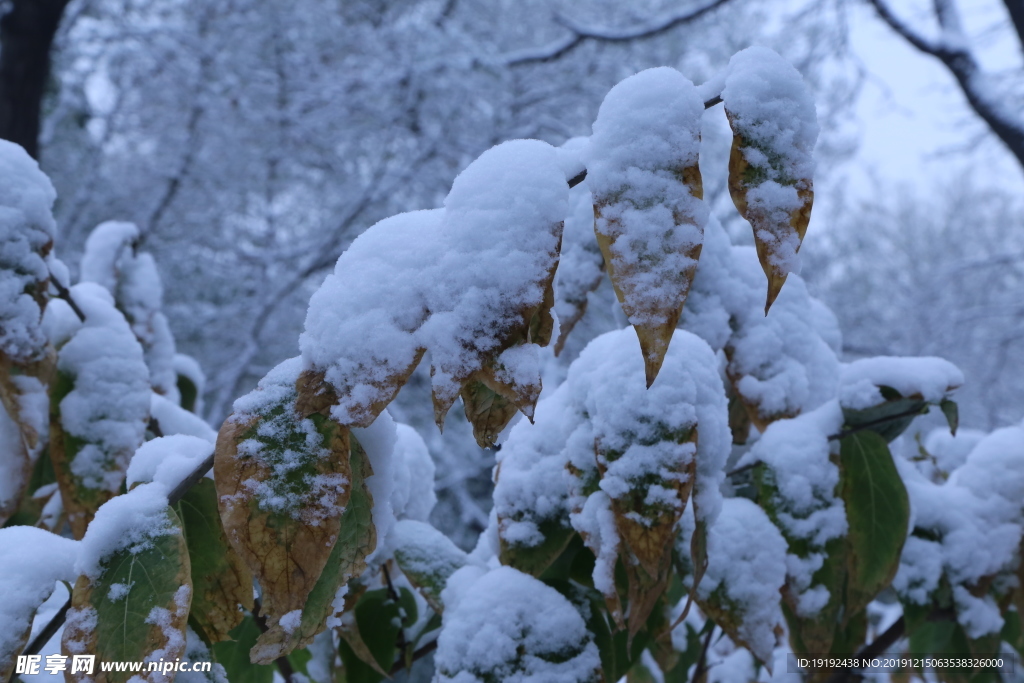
{"points": [[534, 325], [769, 227], [286, 550], [630, 289]]}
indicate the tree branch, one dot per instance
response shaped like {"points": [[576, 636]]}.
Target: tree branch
{"points": [[952, 50], [873, 649], [578, 33], [1016, 10]]}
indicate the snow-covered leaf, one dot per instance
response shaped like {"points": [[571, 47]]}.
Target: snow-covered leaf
{"points": [[427, 558], [642, 169], [771, 166], [283, 483], [131, 601]]}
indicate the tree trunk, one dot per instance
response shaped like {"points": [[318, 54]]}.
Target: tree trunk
{"points": [[26, 35]]}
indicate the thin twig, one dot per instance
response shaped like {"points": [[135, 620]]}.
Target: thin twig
{"points": [[393, 594], [63, 293], [873, 649], [702, 661], [582, 175], [418, 655]]}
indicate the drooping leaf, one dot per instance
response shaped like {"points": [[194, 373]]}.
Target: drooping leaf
{"points": [[774, 128], [356, 539], [220, 580], [533, 560], [648, 201], [952, 414], [137, 608], [283, 482], [888, 419], [878, 513]]}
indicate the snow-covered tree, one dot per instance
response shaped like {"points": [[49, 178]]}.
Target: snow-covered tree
{"points": [[707, 465]]}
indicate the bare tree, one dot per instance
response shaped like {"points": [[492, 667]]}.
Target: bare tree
{"points": [[953, 48]]}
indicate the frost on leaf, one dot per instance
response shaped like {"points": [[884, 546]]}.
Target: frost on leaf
{"points": [[99, 405], [642, 170], [283, 482], [771, 165], [357, 539], [111, 259], [746, 568], [132, 598], [31, 562], [507, 627], [470, 283], [26, 359]]}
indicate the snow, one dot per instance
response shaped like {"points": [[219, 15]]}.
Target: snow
{"points": [[580, 266], [109, 405], [646, 133], [782, 364], [188, 367], [196, 652], [111, 260], [425, 550], [127, 522], [797, 452], [413, 496], [283, 443], [977, 521], [167, 460], [173, 419], [771, 109], [453, 281], [929, 378], [747, 565], [31, 562], [26, 234], [508, 626], [604, 417], [379, 442]]}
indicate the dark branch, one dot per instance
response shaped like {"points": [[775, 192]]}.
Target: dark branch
{"points": [[1007, 124], [578, 33], [63, 293], [418, 655], [582, 175], [1016, 10]]}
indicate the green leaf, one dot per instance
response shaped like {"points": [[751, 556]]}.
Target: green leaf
{"points": [[189, 393], [881, 419], [234, 655], [377, 625], [952, 413], [133, 592], [220, 579], [878, 513]]}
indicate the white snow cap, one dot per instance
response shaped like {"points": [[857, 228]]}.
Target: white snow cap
{"points": [[647, 131], [796, 452], [167, 460], [747, 564], [508, 626], [930, 378], [26, 232], [475, 266], [772, 109], [31, 562], [109, 406]]}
